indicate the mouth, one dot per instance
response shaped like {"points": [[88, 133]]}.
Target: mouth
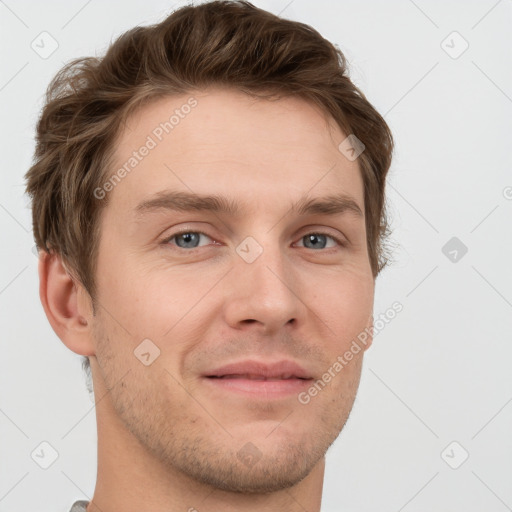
{"points": [[258, 379], [252, 376]]}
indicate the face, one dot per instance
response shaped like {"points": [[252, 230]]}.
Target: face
{"points": [[228, 287]]}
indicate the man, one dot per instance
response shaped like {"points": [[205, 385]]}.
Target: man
{"points": [[208, 201]]}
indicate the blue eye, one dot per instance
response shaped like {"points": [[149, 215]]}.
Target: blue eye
{"points": [[187, 239], [318, 241], [191, 240]]}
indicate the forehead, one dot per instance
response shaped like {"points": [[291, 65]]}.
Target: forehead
{"points": [[222, 141]]}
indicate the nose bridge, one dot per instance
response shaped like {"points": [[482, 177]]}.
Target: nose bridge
{"points": [[262, 286], [267, 267]]}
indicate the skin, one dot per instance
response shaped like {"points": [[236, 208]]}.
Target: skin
{"points": [[167, 440]]}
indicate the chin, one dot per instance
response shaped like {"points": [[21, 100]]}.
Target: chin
{"points": [[262, 467]]}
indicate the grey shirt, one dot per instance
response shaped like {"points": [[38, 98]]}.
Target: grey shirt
{"points": [[79, 506]]}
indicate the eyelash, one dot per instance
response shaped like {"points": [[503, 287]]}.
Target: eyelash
{"points": [[166, 241]]}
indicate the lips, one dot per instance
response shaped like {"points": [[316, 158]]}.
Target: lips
{"points": [[258, 370], [249, 376], [258, 380]]}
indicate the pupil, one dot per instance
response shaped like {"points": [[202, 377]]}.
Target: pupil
{"points": [[315, 240], [188, 238]]}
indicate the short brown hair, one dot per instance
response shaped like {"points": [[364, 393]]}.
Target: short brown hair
{"points": [[224, 43]]}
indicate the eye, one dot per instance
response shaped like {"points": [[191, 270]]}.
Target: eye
{"points": [[191, 240], [319, 241], [186, 239]]}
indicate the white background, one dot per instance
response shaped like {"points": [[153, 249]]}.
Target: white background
{"points": [[439, 372]]}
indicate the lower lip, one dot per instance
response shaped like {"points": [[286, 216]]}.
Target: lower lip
{"points": [[260, 388]]}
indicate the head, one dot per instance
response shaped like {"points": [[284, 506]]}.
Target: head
{"points": [[244, 119]]}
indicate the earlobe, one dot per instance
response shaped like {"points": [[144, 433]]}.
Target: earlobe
{"points": [[59, 296]]}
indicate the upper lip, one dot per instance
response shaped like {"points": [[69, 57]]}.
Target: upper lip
{"points": [[270, 370]]}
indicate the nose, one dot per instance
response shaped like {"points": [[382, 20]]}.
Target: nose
{"points": [[264, 295]]}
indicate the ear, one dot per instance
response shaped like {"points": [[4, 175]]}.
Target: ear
{"points": [[369, 331], [67, 305]]}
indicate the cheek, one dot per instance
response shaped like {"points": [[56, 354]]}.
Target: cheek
{"points": [[344, 301], [331, 397], [144, 302], [163, 304]]}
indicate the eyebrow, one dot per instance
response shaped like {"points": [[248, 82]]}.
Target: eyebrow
{"points": [[187, 202]]}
